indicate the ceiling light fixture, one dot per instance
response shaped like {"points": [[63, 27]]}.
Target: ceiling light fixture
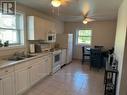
{"points": [[55, 3], [85, 21]]}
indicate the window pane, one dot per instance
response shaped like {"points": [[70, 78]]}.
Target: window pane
{"points": [[7, 21], [85, 32], [84, 40], [9, 35], [12, 28], [84, 36]]}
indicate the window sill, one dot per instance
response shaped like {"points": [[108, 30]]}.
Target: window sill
{"points": [[83, 44], [12, 47]]}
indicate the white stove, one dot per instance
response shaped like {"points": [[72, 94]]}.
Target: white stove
{"points": [[56, 60]]}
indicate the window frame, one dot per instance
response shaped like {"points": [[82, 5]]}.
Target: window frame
{"points": [[77, 36], [19, 29]]}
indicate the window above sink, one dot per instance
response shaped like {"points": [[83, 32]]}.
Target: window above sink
{"points": [[12, 29]]}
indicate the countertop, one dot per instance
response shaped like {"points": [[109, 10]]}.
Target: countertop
{"points": [[6, 63]]}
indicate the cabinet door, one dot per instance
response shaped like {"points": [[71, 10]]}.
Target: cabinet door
{"points": [[34, 74], [22, 82], [36, 28], [42, 73], [50, 27], [39, 28], [8, 84], [63, 58], [47, 63], [1, 87]]}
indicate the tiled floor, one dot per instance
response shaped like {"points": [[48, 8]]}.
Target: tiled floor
{"points": [[73, 79]]}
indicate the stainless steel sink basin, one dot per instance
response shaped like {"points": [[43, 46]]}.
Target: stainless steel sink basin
{"points": [[29, 56], [17, 58]]}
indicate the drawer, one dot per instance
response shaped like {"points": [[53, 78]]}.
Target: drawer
{"points": [[6, 70], [36, 61], [22, 65]]}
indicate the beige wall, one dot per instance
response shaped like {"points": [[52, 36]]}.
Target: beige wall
{"points": [[123, 85], [27, 12], [103, 34], [120, 43]]}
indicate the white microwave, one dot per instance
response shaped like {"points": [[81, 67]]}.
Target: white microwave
{"points": [[51, 38]]}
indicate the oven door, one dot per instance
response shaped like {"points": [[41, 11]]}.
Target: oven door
{"points": [[57, 58], [56, 61]]}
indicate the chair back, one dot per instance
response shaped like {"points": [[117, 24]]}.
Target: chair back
{"points": [[95, 58], [83, 49], [98, 47]]}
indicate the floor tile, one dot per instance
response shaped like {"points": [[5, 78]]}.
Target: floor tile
{"points": [[73, 79]]}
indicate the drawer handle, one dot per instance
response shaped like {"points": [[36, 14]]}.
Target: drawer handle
{"points": [[30, 67]]}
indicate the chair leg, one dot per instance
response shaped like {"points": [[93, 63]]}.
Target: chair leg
{"points": [[82, 59]]}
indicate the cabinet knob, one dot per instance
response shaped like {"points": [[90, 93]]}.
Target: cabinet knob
{"points": [[30, 66], [0, 78]]}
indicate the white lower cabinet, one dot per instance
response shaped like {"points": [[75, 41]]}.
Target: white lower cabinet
{"points": [[22, 76], [22, 80], [63, 57], [48, 65], [1, 87], [42, 70], [7, 84], [34, 74]]}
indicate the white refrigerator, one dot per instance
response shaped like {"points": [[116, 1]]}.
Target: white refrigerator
{"points": [[66, 41]]}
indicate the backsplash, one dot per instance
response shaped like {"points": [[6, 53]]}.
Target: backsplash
{"points": [[10, 51]]}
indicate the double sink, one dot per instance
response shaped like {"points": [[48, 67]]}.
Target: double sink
{"points": [[20, 56]]}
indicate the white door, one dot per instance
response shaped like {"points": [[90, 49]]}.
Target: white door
{"points": [[1, 87], [22, 80], [8, 84], [34, 74]]}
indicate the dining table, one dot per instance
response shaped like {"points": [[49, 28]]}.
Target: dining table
{"points": [[103, 51]]}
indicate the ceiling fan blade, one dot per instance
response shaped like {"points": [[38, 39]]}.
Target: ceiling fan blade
{"points": [[90, 19], [65, 2]]}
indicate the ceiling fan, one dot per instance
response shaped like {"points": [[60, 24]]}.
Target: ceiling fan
{"points": [[87, 19], [58, 3]]}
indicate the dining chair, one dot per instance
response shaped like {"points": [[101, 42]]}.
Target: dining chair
{"points": [[98, 47], [95, 58], [85, 54]]}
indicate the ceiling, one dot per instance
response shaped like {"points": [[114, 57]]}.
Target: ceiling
{"points": [[98, 9]]}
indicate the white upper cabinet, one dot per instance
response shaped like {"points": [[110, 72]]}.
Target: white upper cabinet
{"points": [[38, 28], [50, 27]]}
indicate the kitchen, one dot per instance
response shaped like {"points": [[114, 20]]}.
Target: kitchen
{"points": [[36, 48], [30, 60]]}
